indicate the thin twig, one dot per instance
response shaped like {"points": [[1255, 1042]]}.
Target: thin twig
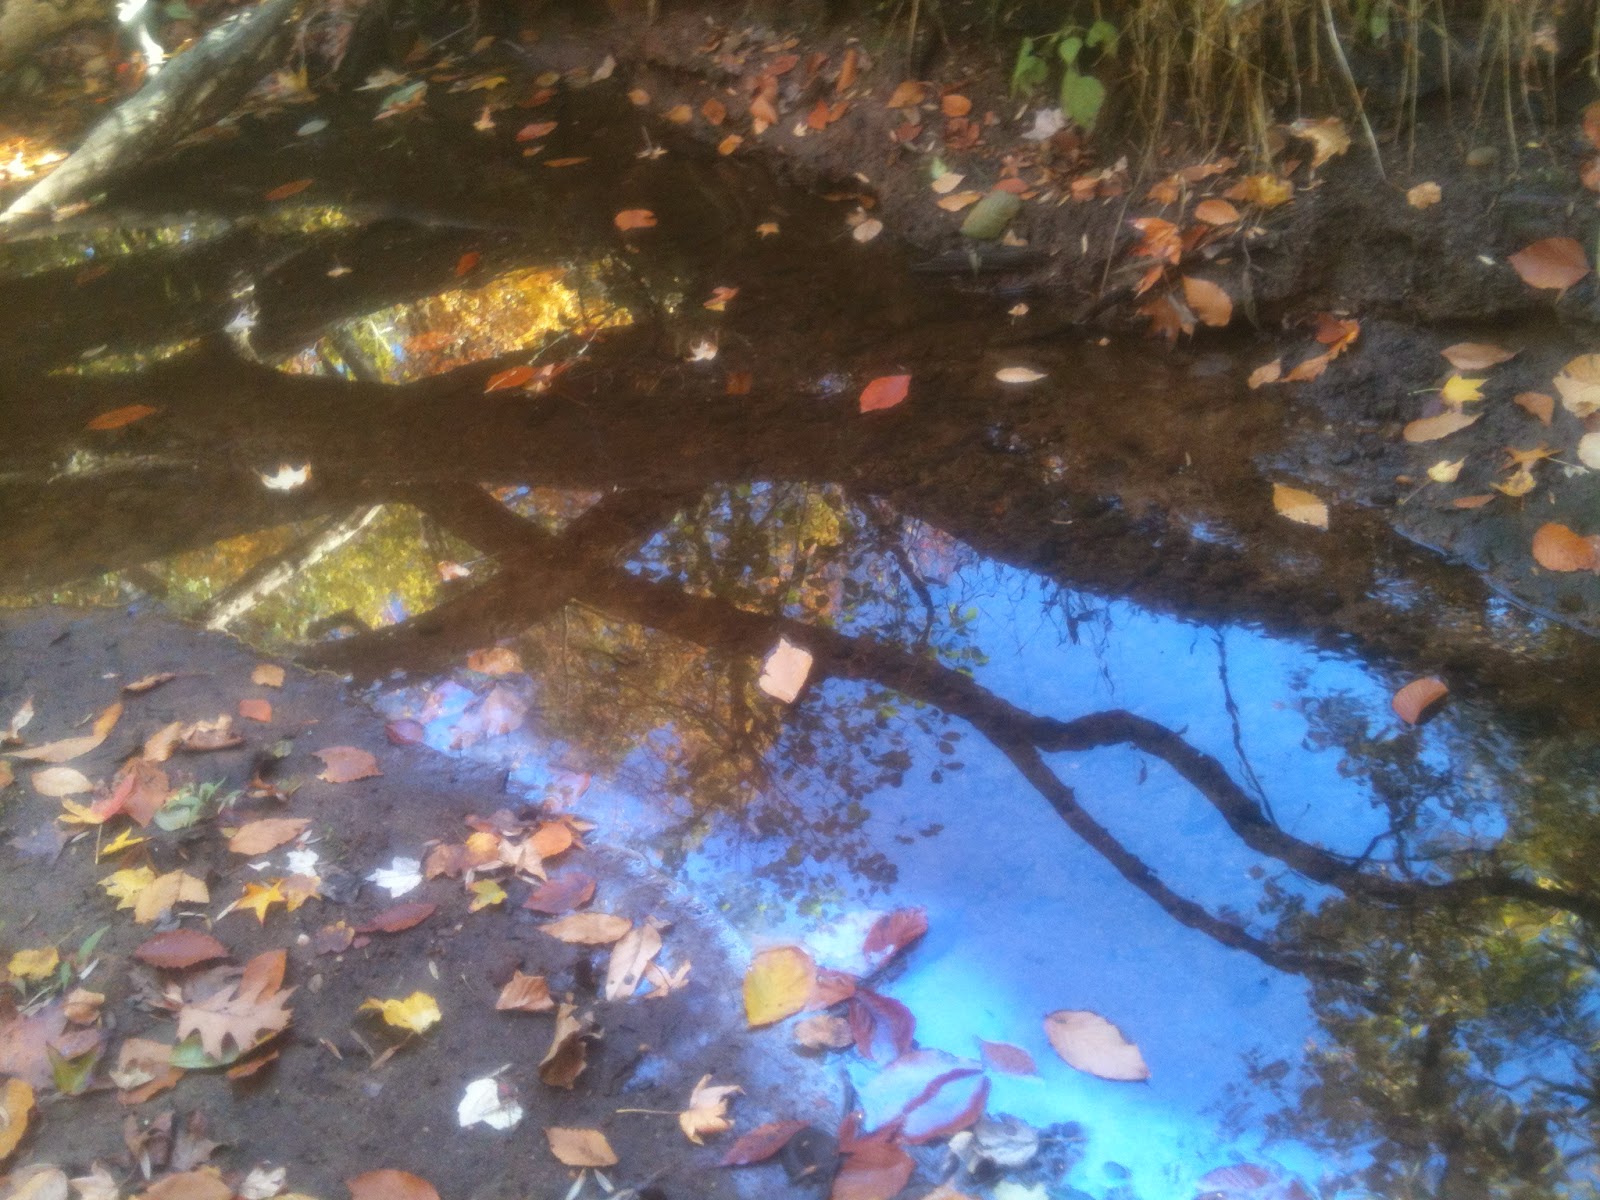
{"points": [[1355, 91]]}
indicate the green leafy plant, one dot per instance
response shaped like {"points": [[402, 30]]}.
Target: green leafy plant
{"points": [[1082, 95]]}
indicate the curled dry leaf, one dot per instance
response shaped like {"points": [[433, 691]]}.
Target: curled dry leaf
{"points": [[1413, 700], [634, 218], [580, 1147], [525, 993], [390, 1185], [588, 929], [1476, 356], [1089, 1043], [778, 984], [568, 1054], [1299, 506], [1557, 548], [346, 764], [1431, 429], [1554, 263], [1327, 135], [708, 1109], [884, 392]]}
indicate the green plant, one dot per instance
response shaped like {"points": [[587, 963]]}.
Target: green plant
{"points": [[1082, 95]]}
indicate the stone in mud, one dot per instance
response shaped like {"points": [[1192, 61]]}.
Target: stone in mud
{"points": [[990, 216]]}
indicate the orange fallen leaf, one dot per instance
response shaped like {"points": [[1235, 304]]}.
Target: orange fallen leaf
{"points": [[714, 111], [258, 837], [908, 94], [729, 144], [511, 377], [345, 764], [1216, 212], [1299, 506], [885, 392], [390, 1185], [1411, 701], [955, 105], [1424, 195], [118, 417], [567, 162], [1266, 373], [466, 262], [1472, 501], [538, 129], [1431, 429], [267, 675], [284, 191], [1210, 303], [635, 218], [588, 928], [574, 1147], [1554, 263], [1540, 404], [255, 709], [1557, 548]]}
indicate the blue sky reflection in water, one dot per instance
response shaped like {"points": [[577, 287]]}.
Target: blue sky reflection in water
{"points": [[1024, 917]]}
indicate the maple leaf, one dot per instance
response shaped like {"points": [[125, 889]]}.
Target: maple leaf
{"points": [[259, 897], [708, 1109], [246, 1013]]}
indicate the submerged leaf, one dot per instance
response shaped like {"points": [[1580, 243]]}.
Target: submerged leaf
{"points": [[1088, 1042]]}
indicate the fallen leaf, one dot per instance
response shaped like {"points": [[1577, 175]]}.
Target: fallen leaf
{"points": [[390, 1185], [1299, 506], [1213, 211], [346, 764], [959, 200], [823, 1032], [35, 964], [1006, 1058], [285, 190], [714, 111], [486, 893], [511, 377], [947, 183], [416, 1013], [1579, 385], [1327, 135], [1445, 471], [884, 392], [1411, 701], [1210, 303], [118, 417], [883, 1028], [245, 1013], [588, 929], [535, 130], [1424, 195], [489, 1101], [68, 749], [629, 958], [872, 1171], [1476, 356], [1266, 373], [16, 1106], [785, 670], [1589, 450], [1431, 429], [60, 781], [778, 984], [634, 218], [149, 683], [719, 298], [907, 94], [1018, 375], [259, 899], [567, 1056], [1557, 548], [1553, 263], [399, 917], [180, 948], [767, 229], [525, 993], [1459, 390], [870, 228], [708, 1109], [1472, 501], [762, 1142], [258, 837], [157, 899], [580, 1147], [1089, 1043], [1541, 405], [399, 877], [565, 892], [256, 709]]}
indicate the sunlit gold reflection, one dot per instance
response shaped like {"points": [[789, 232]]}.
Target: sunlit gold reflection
{"points": [[519, 310], [97, 247], [128, 362], [23, 158]]}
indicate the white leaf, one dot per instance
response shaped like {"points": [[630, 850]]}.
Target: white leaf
{"points": [[784, 673], [485, 1104], [399, 877], [286, 478], [867, 230], [703, 351], [1018, 375], [302, 862], [1589, 450], [263, 1183]]}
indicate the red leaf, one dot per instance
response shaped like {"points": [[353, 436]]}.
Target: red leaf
{"points": [[512, 377], [1007, 1059], [535, 131], [1411, 701], [255, 709], [952, 1102], [466, 262], [284, 191], [118, 417], [761, 1143], [884, 1029], [180, 948], [562, 894], [399, 917], [1554, 263], [893, 932], [873, 1171], [345, 764], [634, 218], [885, 392]]}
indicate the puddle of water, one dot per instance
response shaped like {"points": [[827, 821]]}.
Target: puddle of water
{"points": [[975, 573]]}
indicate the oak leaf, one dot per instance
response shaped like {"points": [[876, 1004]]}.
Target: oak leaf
{"points": [[245, 1013]]}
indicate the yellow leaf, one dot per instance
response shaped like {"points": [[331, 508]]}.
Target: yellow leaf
{"points": [[124, 886], [1299, 506], [16, 1105], [418, 1012], [778, 984], [1327, 136], [259, 897], [1445, 471], [1458, 390], [34, 964], [156, 900], [486, 892], [767, 228], [123, 841], [708, 1109]]}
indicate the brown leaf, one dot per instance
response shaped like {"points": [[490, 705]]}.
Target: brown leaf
{"points": [[149, 683], [955, 105], [68, 749], [254, 708], [714, 111], [258, 837], [565, 892], [823, 1032], [1431, 429], [1006, 1058], [216, 734], [873, 1171], [397, 918], [1299, 506], [525, 993], [180, 948], [1210, 303], [629, 958], [1476, 356], [892, 933], [634, 218], [345, 764], [885, 392], [908, 94], [1557, 548], [1554, 263], [578, 1148], [568, 1054], [1411, 701], [511, 377], [762, 1142], [204, 1184], [285, 190], [1089, 1043], [1472, 501], [496, 660], [390, 1185], [244, 1013], [588, 929], [118, 417], [1266, 373], [1309, 369]]}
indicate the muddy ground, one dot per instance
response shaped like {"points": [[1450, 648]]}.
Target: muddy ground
{"points": [[325, 1107]]}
